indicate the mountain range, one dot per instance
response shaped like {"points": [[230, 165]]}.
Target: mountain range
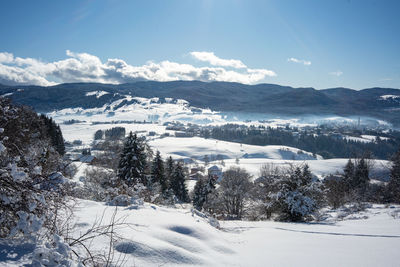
{"points": [[380, 103]]}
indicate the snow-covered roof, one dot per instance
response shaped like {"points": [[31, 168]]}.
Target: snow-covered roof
{"points": [[214, 168], [86, 158]]}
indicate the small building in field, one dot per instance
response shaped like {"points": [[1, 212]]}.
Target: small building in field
{"points": [[215, 172], [183, 134], [87, 158]]}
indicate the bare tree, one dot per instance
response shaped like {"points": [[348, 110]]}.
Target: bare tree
{"points": [[234, 189]]}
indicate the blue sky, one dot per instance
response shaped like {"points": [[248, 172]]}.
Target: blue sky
{"points": [[319, 44]]}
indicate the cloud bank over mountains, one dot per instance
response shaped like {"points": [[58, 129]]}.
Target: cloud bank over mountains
{"points": [[84, 67]]}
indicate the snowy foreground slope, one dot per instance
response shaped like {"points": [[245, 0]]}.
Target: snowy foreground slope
{"points": [[161, 236], [168, 236]]}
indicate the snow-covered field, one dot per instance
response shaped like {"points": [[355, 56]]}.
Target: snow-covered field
{"points": [[194, 149], [162, 236], [364, 138], [197, 148], [168, 236]]}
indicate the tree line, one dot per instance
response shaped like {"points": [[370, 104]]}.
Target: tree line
{"points": [[136, 171], [283, 193], [325, 145], [293, 193]]}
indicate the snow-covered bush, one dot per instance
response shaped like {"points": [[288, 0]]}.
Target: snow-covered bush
{"points": [[55, 252], [125, 200], [30, 185], [292, 195]]}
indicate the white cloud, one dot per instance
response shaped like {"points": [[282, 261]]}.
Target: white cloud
{"points": [[216, 61], [83, 67], [301, 61], [6, 57], [336, 73]]}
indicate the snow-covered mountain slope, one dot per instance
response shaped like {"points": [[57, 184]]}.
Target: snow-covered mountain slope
{"points": [[390, 97], [223, 96], [129, 108]]}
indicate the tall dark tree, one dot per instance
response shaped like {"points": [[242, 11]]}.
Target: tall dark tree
{"points": [[55, 134], [98, 135], [132, 164], [361, 175], [178, 183], [348, 175], [306, 175], [394, 182], [158, 172], [201, 191], [199, 194], [169, 169]]}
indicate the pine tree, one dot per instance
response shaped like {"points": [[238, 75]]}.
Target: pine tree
{"points": [[98, 135], [178, 183], [132, 162], [158, 172], [199, 194], [202, 190], [210, 186], [361, 175], [55, 134], [394, 182], [348, 175], [295, 195], [169, 169], [59, 140], [306, 175]]}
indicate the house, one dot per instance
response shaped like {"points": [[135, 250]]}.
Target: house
{"points": [[195, 174], [87, 158], [183, 134], [215, 172]]}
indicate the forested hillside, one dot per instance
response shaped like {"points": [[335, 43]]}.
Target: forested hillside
{"points": [[220, 96]]}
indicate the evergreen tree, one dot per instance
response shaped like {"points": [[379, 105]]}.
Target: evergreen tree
{"points": [[169, 170], [199, 194], [306, 175], [178, 183], [202, 190], [394, 182], [348, 175], [210, 186], [361, 175], [98, 135], [158, 172], [55, 134], [132, 164], [295, 195]]}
